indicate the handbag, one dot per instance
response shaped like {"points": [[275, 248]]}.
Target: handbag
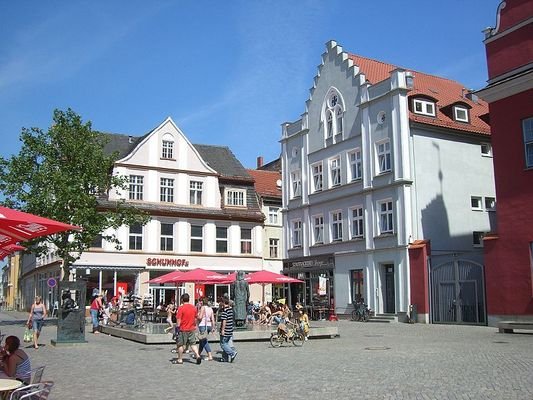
{"points": [[28, 336]]}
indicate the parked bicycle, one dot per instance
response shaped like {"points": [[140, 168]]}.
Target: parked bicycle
{"points": [[288, 332], [361, 312]]}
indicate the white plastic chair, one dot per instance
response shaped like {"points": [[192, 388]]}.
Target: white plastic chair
{"points": [[36, 391]]}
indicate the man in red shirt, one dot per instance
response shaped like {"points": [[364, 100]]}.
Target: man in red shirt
{"points": [[186, 320]]}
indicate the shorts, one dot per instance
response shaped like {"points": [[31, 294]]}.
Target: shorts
{"points": [[37, 325], [186, 338]]}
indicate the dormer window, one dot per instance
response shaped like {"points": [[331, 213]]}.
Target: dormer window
{"points": [[236, 197], [424, 107], [460, 114]]}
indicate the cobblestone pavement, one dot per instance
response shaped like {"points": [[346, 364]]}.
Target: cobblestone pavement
{"points": [[367, 361]]}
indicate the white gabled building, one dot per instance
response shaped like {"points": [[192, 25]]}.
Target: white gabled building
{"points": [[204, 213], [383, 162]]}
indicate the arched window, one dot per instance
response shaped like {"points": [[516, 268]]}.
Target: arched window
{"points": [[333, 115]]}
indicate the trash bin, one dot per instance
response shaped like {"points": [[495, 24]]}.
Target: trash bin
{"points": [[413, 314]]}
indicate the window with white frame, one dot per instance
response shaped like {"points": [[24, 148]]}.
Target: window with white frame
{"points": [[527, 129], [167, 237], [386, 217], [318, 229], [195, 192], [246, 241], [197, 238], [329, 123], [222, 239], [490, 203], [136, 187], [97, 241], [167, 149], [476, 202], [236, 197], [274, 247], [424, 107], [333, 114], [335, 171], [357, 230], [477, 239], [486, 149], [336, 226], [460, 114], [384, 156], [339, 114], [296, 183], [167, 190], [356, 164], [273, 215], [136, 237], [317, 177], [297, 233]]}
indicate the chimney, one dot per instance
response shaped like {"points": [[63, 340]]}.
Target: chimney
{"points": [[259, 162]]}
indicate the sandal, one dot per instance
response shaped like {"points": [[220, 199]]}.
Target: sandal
{"points": [[177, 361]]}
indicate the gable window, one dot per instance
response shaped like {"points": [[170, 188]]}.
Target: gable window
{"points": [[339, 114], [136, 237], [318, 229], [385, 217], [356, 166], [336, 226], [460, 114], [274, 247], [490, 203], [167, 190], [329, 124], [246, 241], [197, 238], [222, 239], [475, 202], [273, 215], [384, 157], [97, 241], [167, 237], [235, 197], [486, 149], [357, 222], [335, 171], [296, 184], [333, 114], [527, 128], [477, 239], [167, 149], [195, 192], [424, 107], [297, 233], [317, 177], [136, 187]]}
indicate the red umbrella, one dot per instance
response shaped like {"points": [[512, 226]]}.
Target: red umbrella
{"points": [[270, 277], [10, 249], [202, 276], [166, 278], [16, 226]]}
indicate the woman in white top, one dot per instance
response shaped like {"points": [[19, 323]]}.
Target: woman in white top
{"points": [[206, 318]]}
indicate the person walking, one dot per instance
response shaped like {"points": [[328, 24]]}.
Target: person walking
{"points": [[36, 319], [206, 318], [96, 307], [186, 320], [226, 332]]}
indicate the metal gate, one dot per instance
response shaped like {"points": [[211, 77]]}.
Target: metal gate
{"points": [[458, 293]]}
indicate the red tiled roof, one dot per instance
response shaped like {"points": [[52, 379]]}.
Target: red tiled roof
{"points": [[266, 182], [446, 92]]}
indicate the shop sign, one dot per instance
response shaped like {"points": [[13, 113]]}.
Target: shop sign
{"points": [[167, 262]]}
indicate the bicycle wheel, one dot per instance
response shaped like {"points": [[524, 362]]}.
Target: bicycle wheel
{"points": [[356, 315], [365, 317], [298, 339], [276, 340]]}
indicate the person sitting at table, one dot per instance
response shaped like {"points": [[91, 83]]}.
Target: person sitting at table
{"points": [[15, 362]]}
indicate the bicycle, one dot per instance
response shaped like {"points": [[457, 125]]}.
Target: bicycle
{"points": [[361, 312], [288, 331]]}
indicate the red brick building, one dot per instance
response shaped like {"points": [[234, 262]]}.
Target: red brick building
{"points": [[508, 251]]}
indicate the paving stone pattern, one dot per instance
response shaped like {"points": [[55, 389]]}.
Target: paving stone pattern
{"points": [[367, 361]]}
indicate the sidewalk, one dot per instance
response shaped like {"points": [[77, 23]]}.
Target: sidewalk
{"points": [[19, 317]]}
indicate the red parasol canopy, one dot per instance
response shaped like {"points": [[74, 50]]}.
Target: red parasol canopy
{"points": [[270, 277], [17, 226], [202, 276], [10, 249], [167, 277]]}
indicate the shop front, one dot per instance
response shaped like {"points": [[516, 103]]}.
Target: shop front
{"points": [[317, 294]]}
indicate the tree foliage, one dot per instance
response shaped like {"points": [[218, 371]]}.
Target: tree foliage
{"points": [[61, 174]]}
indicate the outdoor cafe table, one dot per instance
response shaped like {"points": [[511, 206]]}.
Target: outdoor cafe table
{"points": [[9, 384]]}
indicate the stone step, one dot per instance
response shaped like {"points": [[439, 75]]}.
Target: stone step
{"points": [[384, 318]]}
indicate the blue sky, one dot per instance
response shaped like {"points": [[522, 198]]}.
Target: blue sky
{"points": [[228, 73]]}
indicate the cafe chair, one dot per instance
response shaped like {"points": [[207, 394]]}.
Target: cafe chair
{"points": [[36, 374], [36, 391]]}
